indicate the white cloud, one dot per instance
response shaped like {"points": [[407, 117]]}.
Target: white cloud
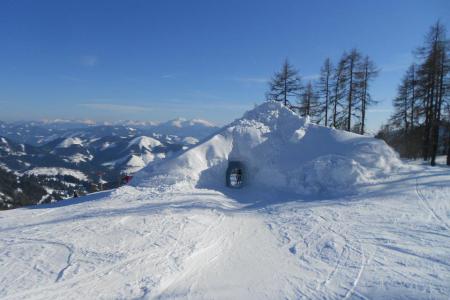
{"points": [[89, 60]]}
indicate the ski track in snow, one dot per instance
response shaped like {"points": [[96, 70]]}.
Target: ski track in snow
{"points": [[429, 207], [391, 241]]}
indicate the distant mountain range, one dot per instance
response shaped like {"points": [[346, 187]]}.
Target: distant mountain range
{"points": [[41, 132], [50, 160]]}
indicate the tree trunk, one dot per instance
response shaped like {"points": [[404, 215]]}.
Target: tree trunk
{"points": [[350, 98], [405, 107], [435, 141], [413, 98], [336, 94], [285, 92], [448, 148], [427, 129], [335, 102], [435, 113], [364, 99], [327, 98], [438, 107], [308, 105]]}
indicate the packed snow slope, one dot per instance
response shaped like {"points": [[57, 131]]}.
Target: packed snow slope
{"points": [[281, 152], [389, 241], [382, 233]]}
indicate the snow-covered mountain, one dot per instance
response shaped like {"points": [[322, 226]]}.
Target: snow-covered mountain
{"points": [[134, 154], [323, 214], [110, 155], [92, 149], [35, 175]]}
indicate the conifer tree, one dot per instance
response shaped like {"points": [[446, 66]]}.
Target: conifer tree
{"points": [[309, 104], [324, 88], [433, 74], [352, 65], [285, 85], [338, 90], [401, 117], [367, 73], [422, 97]]}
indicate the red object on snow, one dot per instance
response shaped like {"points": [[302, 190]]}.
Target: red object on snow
{"points": [[127, 178]]}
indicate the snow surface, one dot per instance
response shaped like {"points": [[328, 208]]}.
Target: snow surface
{"points": [[57, 172], [178, 233], [391, 241], [189, 140], [66, 143], [79, 158], [107, 145], [135, 162]]}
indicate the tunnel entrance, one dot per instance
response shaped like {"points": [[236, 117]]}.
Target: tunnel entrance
{"points": [[235, 176]]}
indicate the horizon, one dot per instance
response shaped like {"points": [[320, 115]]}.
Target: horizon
{"points": [[158, 62], [112, 122]]}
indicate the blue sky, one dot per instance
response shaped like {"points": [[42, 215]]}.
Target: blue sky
{"points": [[157, 60]]}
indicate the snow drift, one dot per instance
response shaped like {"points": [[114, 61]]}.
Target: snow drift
{"points": [[281, 151]]}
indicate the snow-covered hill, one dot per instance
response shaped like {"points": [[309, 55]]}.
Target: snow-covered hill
{"points": [[177, 232], [87, 154], [110, 149]]}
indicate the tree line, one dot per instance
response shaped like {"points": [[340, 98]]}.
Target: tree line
{"points": [[420, 124], [339, 98]]}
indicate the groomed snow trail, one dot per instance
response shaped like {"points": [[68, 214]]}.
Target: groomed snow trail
{"points": [[391, 240]]}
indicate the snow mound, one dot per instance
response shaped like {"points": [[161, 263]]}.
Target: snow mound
{"points": [[280, 151]]}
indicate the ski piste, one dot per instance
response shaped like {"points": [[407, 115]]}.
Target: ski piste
{"points": [[344, 220]]}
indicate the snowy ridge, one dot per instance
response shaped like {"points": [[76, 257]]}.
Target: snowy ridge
{"points": [[280, 151], [145, 142]]}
